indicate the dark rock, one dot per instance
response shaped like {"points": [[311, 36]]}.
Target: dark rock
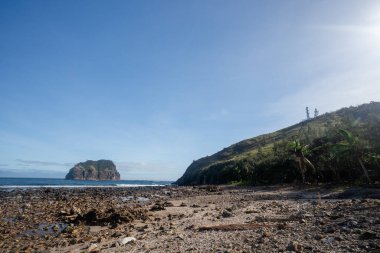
{"points": [[294, 246], [109, 217], [116, 234], [226, 214], [329, 229], [157, 207], [367, 235], [94, 170], [115, 244], [168, 204]]}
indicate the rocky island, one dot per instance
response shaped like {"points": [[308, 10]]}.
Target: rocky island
{"points": [[94, 170]]}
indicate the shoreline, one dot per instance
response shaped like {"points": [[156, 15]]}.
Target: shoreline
{"points": [[26, 187], [190, 219]]}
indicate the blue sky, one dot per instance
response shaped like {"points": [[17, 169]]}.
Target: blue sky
{"points": [[154, 85]]}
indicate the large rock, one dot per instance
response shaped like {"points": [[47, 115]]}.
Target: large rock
{"points": [[94, 170]]}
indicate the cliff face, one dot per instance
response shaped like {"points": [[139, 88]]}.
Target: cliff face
{"points": [[94, 170]]}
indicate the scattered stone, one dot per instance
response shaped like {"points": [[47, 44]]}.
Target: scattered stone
{"points": [[127, 240], [261, 240], [157, 207], [294, 246], [267, 234], [261, 219], [115, 244], [336, 225], [226, 214], [92, 248], [116, 234], [168, 204], [329, 229], [281, 226]]}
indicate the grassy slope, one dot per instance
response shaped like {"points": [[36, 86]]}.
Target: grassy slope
{"points": [[313, 128]]}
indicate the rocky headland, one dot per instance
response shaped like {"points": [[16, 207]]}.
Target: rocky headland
{"points": [[268, 159], [94, 170]]}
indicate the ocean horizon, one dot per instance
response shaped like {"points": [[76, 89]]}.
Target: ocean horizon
{"points": [[16, 182]]}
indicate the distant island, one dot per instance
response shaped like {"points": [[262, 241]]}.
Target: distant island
{"points": [[94, 170]]}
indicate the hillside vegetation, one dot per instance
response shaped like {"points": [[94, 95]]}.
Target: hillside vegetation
{"points": [[342, 146]]}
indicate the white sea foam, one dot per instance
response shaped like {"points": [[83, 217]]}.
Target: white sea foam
{"points": [[138, 185]]}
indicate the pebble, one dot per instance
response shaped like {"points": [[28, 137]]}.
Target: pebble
{"points": [[92, 248], [294, 246], [127, 240], [329, 229], [226, 213]]}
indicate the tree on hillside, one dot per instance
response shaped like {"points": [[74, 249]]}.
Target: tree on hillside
{"points": [[307, 113], [300, 151], [353, 149], [316, 112]]}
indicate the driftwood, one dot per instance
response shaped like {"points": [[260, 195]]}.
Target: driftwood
{"points": [[233, 227]]}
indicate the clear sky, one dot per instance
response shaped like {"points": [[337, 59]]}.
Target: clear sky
{"points": [[156, 84]]}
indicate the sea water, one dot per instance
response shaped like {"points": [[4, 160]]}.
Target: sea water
{"points": [[62, 183]]}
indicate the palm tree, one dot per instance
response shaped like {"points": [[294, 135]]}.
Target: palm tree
{"points": [[300, 151], [351, 147]]}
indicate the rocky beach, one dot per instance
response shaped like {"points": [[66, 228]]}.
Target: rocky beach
{"points": [[190, 219]]}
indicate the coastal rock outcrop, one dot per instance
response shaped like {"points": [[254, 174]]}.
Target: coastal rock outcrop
{"points": [[94, 170]]}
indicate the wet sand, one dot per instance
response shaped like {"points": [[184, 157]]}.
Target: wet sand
{"points": [[190, 219]]}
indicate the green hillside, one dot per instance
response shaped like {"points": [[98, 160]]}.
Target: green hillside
{"points": [[270, 158]]}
